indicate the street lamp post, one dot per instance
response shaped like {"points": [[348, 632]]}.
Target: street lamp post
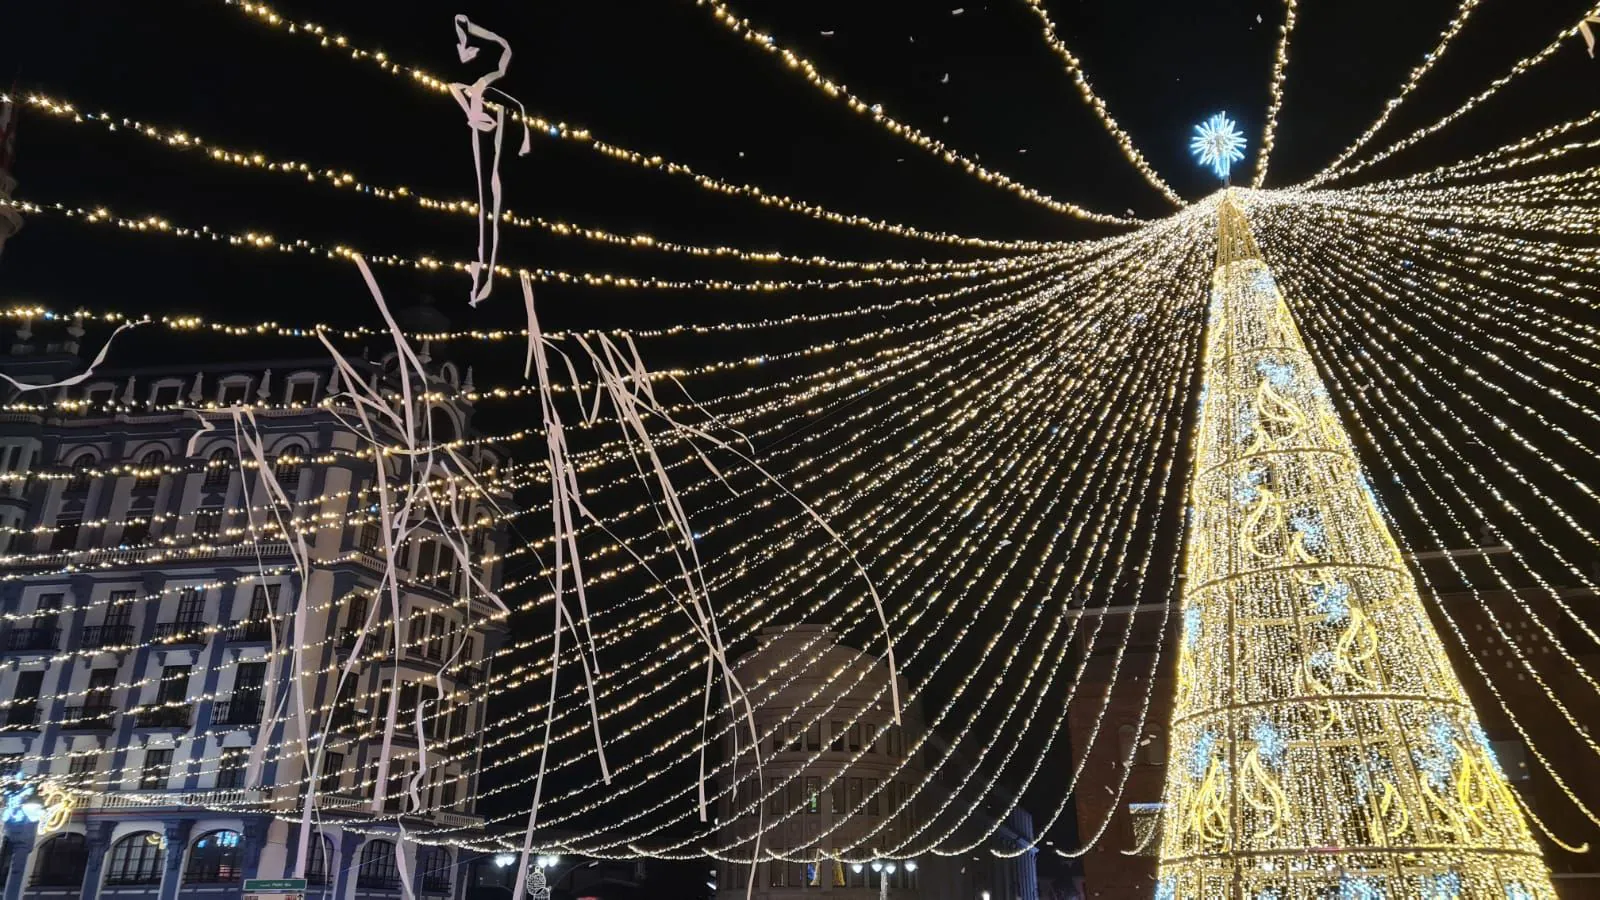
{"points": [[885, 868], [538, 889]]}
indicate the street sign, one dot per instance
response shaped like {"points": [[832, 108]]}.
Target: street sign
{"points": [[274, 889]]}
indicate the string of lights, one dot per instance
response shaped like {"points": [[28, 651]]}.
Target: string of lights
{"points": [[343, 46], [1280, 69], [1097, 105]]}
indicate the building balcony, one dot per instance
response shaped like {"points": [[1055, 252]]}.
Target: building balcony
{"points": [[467, 676], [90, 717], [347, 640], [163, 716], [249, 632], [181, 632], [347, 719], [237, 712], [22, 716], [25, 640], [147, 799], [457, 820], [96, 636]]}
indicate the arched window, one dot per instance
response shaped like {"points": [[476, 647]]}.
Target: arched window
{"points": [[136, 859], [378, 867], [433, 865], [287, 469], [1125, 738], [81, 467], [220, 467], [214, 859], [321, 851], [150, 471], [61, 861]]}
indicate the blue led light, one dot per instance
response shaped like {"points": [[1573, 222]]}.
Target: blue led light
{"points": [[1217, 144]]}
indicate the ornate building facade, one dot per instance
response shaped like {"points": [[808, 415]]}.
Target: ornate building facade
{"points": [[179, 676], [836, 772]]}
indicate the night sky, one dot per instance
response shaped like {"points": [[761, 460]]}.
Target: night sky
{"points": [[660, 76], [663, 78]]}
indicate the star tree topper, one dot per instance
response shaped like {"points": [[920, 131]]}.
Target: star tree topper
{"points": [[1217, 144]]}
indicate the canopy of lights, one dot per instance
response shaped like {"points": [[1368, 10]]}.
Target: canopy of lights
{"points": [[1306, 389]]}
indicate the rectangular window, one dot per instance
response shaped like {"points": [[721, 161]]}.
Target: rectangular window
{"points": [[837, 807], [416, 631], [263, 600], [83, 764], [814, 737], [368, 541], [793, 744], [836, 732], [447, 794], [207, 523], [436, 637], [813, 795], [157, 769], [777, 870], [174, 685], [855, 738], [869, 736], [167, 395], [774, 796], [98, 697], [119, 610], [66, 536], [425, 560], [355, 617], [233, 393], [231, 768], [47, 614], [872, 796], [136, 530], [797, 874], [855, 793], [191, 606], [332, 772], [301, 391], [796, 794], [24, 709], [458, 720]]}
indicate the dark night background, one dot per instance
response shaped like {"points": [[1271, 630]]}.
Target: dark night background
{"points": [[661, 77]]}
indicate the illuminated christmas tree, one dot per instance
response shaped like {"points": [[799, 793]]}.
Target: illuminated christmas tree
{"points": [[1321, 745]]}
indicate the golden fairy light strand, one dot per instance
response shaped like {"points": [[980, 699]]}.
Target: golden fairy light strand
{"points": [[1518, 68], [341, 45], [346, 181], [1463, 12], [1474, 591], [834, 90], [160, 226], [1097, 105], [1280, 67]]}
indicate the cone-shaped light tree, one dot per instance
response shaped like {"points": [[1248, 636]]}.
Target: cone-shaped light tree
{"points": [[1321, 745]]}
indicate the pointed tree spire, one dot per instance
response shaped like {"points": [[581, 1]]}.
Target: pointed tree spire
{"points": [[1321, 744]]}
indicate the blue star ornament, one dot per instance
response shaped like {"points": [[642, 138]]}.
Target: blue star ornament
{"points": [[1217, 144]]}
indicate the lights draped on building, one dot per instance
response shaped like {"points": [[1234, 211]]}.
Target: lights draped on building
{"points": [[968, 457], [1320, 741]]}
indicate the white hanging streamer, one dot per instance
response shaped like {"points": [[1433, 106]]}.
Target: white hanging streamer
{"points": [[86, 373], [470, 97]]}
